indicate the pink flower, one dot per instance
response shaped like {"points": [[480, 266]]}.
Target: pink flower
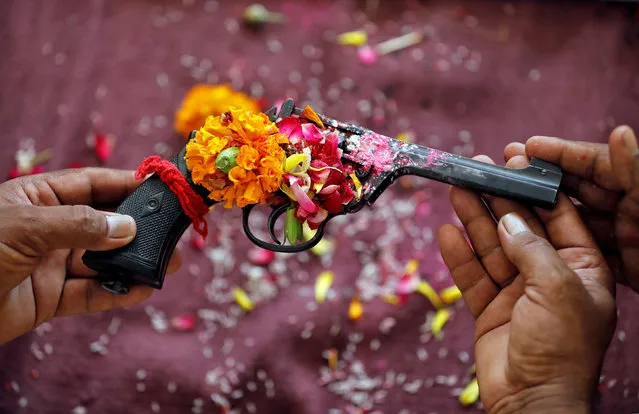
{"points": [[292, 128], [297, 131]]}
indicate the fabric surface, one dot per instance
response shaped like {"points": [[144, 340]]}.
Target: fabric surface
{"points": [[489, 73]]}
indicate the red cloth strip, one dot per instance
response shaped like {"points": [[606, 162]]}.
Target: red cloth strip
{"points": [[192, 204]]}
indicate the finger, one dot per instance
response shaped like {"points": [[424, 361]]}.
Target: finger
{"points": [[623, 155], [499, 311], [564, 226], [482, 232], [583, 190], [80, 186], [477, 288], [586, 160], [39, 229], [514, 149], [77, 268], [543, 270], [47, 281], [601, 226], [566, 231], [590, 194], [500, 206], [626, 155], [87, 296]]}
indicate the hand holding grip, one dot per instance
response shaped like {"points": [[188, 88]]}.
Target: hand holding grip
{"points": [[160, 222]]}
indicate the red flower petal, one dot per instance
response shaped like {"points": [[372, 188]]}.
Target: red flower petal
{"points": [[184, 322], [261, 257], [346, 192], [301, 214], [197, 242], [76, 165], [14, 173], [333, 203], [103, 147]]}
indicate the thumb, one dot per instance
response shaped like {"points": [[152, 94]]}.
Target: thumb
{"points": [[67, 227], [537, 260]]}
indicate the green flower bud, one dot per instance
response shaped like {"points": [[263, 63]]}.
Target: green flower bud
{"points": [[225, 160], [292, 227]]}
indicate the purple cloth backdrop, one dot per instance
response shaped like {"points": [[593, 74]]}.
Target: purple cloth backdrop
{"points": [[489, 73]]}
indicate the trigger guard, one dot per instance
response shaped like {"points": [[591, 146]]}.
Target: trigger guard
{"points": [[272, 219], [279, 248]]}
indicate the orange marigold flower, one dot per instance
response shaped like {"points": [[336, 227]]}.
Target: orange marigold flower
{"points": [[248, 157], [203, 101], [248, 146]]}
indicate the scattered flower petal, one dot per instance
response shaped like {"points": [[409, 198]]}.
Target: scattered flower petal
{"points": [[367, 55], [260, 256], [427, 290], [332, 358], [440, 319], [354, 38], [243, 299], [103, 147], [198, 242], [450, 295], [355, 309], [470, 393], [184, 322], [322, 285]]}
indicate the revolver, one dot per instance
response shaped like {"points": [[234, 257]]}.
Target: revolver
{"points": [[161, 220]]}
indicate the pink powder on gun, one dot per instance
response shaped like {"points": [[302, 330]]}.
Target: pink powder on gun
{"points": [[375, 150], [434, 158]]}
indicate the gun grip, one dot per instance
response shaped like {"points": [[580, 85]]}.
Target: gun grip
{"points": [[160, 222]]}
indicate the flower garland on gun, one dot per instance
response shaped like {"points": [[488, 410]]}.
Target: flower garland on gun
{"points": [[244, 159]]}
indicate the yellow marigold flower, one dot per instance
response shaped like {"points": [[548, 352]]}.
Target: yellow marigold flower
{"points": [[248, 147], [203, 101]]}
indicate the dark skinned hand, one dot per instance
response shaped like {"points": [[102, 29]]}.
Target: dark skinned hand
{"points": [[543, 300], [47, 222], [604, 179]]}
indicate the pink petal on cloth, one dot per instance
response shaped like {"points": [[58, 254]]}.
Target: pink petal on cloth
{"points": [[261, 257], [184, 323], [407, 284]]}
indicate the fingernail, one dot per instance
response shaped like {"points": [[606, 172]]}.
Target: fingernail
{"points": [[120, 227], [514, 224]]}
